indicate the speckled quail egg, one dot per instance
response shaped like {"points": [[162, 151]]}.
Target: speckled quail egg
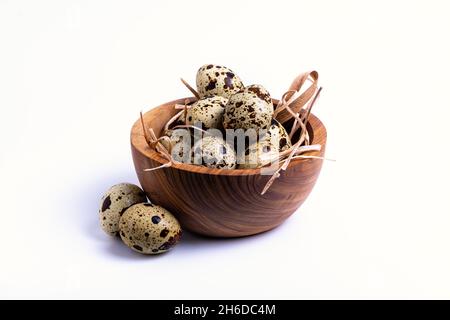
{"points": [[179, 144], [214, 152], [217, 80], [114, 203], [267, 148], [208, 112], [175, 136], [149, 229], [250, 108], [278, 131]]}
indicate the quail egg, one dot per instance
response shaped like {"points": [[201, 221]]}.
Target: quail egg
{"points": [[114, 203], [149, 229], [277, 130], [217, 80], [250, 108], [175, 136], [179, 144], [214, 152], [208, 112], [267, 148]]}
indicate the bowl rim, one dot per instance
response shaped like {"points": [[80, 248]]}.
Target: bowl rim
{"points": [[138, 142]]}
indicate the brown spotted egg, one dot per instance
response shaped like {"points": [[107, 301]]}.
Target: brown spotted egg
{"points": [[149, 229], [250, 108], [218, 81], [114, 203], [214, 152], [175, 136], [208, 112], [277, 131], [267, 148], [178, 143]]}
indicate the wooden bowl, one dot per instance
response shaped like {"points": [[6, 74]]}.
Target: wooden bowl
{"points": [[222, 203]]}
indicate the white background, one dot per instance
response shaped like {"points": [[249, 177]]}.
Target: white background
{"points": [[75, 74]]}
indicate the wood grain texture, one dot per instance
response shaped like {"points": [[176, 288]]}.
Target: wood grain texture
{"points": [[222, 203]]}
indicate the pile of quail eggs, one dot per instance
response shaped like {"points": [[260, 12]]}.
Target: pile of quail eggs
{"points": [[225, 103], [144, 227]]}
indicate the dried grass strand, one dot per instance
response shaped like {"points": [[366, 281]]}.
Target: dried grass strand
{"points": [[154, 143], [190, 126], [194, 92], [283, 115], [172, 120], [294, 150]]}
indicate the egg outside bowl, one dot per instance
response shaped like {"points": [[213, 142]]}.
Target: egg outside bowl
{"points": [[218, 202]]}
